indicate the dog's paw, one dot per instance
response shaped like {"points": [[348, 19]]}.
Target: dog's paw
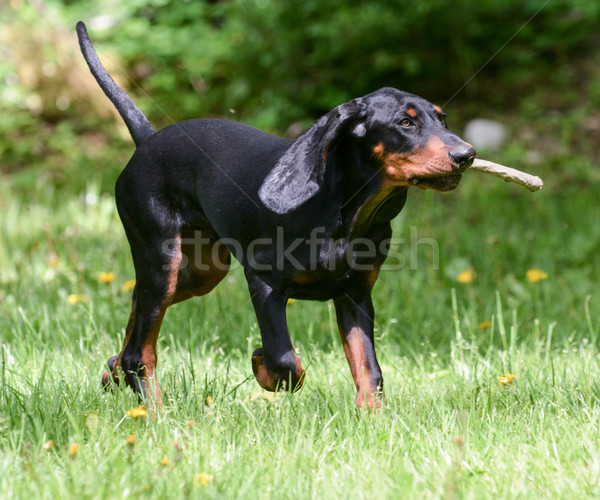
{"points": [[110, 377], [260, 371], [276, 382], [372, 401]]}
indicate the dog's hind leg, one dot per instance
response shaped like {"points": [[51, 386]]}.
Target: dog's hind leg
{"points": [[170, 267], [111, 374], [157, 266], [154, 236]]}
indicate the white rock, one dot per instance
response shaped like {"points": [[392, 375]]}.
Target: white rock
{"points": [[485, 134]]}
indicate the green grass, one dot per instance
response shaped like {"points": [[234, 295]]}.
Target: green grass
{"points": [[448, 429]]}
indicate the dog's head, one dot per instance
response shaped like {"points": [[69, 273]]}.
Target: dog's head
{"points": [[404, 137]]}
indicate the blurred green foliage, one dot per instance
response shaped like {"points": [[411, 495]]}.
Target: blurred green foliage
{"points": [[272, 64], [275, 62]]}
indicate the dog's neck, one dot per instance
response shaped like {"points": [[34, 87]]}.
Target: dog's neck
{"points": [[367, 201]]}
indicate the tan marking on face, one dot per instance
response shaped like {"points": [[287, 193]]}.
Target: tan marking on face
{"points": [[438, 110], [429, 161], [411, 112], [379, 149]]}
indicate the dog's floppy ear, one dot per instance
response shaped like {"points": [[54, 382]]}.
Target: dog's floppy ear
{"points": [[299, 173]]}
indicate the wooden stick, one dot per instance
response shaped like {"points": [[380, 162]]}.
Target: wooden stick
{"points": [[531, 182]]}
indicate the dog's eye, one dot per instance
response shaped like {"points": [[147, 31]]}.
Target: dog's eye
{"points": [[405, 122]]}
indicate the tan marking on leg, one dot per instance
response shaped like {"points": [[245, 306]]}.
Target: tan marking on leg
{"points": [[261, 374], [269, 383], [371, 277], [201, 277], [149, 373], [149, 357], [354, 348], [174, 271]]}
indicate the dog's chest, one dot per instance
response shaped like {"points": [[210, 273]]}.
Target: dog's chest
{"points": [[330, 267]]}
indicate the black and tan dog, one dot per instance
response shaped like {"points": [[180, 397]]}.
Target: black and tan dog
{"points": [[308, 219]]}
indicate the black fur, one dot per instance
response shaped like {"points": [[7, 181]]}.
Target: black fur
{"points": [[308, 219]]}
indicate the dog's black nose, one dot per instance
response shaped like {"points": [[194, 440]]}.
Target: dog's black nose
{"points": [[463, 156]]}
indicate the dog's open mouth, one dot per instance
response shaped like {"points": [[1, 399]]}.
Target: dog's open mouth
{"points": [[440, 183]]}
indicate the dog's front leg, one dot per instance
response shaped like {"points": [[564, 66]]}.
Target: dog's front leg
{"points": [[355, 316], [276, 365]]}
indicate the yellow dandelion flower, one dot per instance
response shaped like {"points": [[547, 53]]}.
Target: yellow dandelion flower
{"points": [[53, 261], [128, 286], [466, 276], [131, 439], [48, 445], [165, 462], [139, 412], [202, 480], [104, 277], [485, 324], [209, 400], [73, 449], [535, 275], [76, 298], [506, 379], [291, 301]]}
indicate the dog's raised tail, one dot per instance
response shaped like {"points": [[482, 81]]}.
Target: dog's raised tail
{"points": [[137, 123]]}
